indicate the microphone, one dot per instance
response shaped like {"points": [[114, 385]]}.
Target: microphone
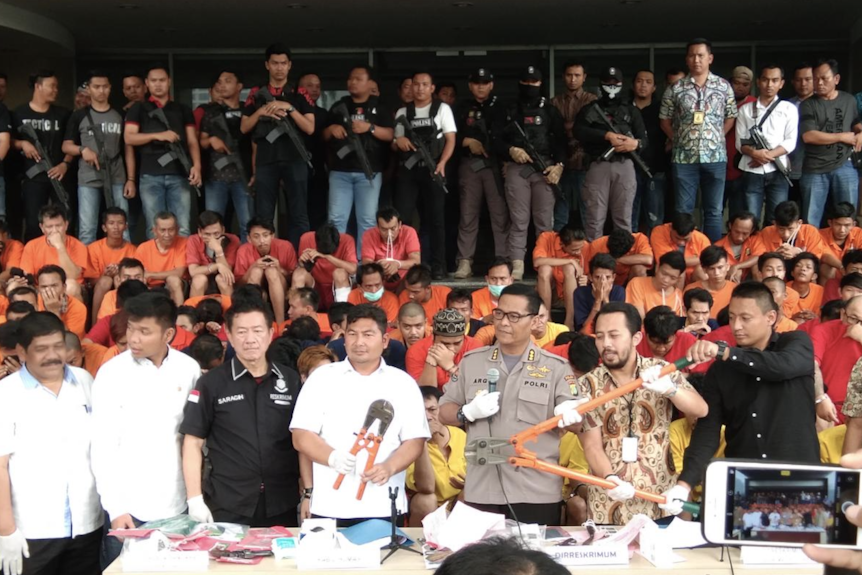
{"points": [[493, 377]]}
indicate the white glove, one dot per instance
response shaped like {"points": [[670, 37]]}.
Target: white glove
{"points": [[568, 409], [663, 386], [675, 496], [199, 511], [342, 462], [13, 549], [483, 405], [623, 491]]}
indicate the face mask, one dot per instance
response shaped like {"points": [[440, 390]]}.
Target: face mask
{"points": [[528, 92], [373, 296], [610, 91], [496, 290]]}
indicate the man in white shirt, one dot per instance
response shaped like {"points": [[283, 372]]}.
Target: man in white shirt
{"points": [[432, 121], [780, 128], [50, 517], [138, 401], [331, 409]]}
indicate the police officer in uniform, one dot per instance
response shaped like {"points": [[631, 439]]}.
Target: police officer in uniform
{"points": [[610, 184], [480, 173], [533, 386], [528, 191], [242, 409], [433, 122]]}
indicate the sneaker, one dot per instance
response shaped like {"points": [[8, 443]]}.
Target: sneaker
{"points": [[518, 269], [464, 270]]}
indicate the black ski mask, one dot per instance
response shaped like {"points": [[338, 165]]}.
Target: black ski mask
{"points": [[528, 92]]}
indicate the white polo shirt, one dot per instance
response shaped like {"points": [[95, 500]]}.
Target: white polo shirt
{"points": [[137, 411], [780, 129], [47, 439], [333, 403]]}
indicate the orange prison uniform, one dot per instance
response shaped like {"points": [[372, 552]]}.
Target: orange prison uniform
{"points": [[37, 254], [435, 303], [388, 303], [155, 261], [101, 256], [11, 256], [640, 292], [75, 318], [808, 239], [548, 245], [641, 247], [720, 298]]}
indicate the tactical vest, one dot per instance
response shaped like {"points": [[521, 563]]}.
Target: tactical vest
{"points": [[368, 113], [536, 121], [426, 129], [477, 122]]}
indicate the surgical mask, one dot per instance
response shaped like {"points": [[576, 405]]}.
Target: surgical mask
{"points": [[610, 91], [496, 290], [373, 296], [528, 92]]}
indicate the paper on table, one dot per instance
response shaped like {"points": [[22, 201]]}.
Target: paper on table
{"points": [[433, 524], [466, 525], [684, 534]]}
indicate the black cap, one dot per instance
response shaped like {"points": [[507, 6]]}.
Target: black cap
{"points": [[611, 74], [481, 76], [531, 74]]}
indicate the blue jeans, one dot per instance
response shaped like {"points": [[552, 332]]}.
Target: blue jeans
{"points": [[166, 193], [216, 198], [734, 196], [349, 190], [842, 182], [89, 202], [649, 201], [772, 185], [710, 178], [570, 184]]}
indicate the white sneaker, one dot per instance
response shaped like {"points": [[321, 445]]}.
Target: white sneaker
{"points": [[464, 270], [518, 270]]}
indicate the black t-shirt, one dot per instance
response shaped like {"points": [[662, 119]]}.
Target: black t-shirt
{"points": [[247, 428], [377, 151], [832, 117], [282, 149], [179, 117], [5, 127], [237, 143], [50, 127], [654, 154]]}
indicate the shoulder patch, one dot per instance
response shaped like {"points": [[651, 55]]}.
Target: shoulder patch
{"points": [[194, 396]]}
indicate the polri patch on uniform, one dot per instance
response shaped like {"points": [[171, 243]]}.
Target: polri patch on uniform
{"points": [[194, 396]]}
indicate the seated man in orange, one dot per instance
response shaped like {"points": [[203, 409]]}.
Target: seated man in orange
{"points": [[10, 252], [266, 261], [631, 251], [461, 300], [393, 245], [418, 288], [713, 261], [434, 360], [164, 256], [839, 238], [742, 245], [371, 290], [105, 254], [127, 269], [56, 248], [779, 293], [498, 277], [851, 262], [560, 261], [788, 235], [304, 302], [53, 298], [327, 259], [411, 325], [771, 265], [648, 292], [803, 276], [211, 255], [680, 234]]}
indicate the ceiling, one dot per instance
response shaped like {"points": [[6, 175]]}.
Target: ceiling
{"points": [[126, 25]]}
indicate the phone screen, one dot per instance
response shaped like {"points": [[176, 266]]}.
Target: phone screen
{"points": [[790, 505]]}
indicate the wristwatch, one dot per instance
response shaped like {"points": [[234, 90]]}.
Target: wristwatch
{"points": [[460, 416], [290, 110], [722, 347], [371, 129], [306, 493]]}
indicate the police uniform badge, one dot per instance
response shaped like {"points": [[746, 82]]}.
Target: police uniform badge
{"points": [[538, 120], [280, 386], [530, 70]]}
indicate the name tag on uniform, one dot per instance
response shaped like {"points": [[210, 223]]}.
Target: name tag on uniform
{"points": [[630, 449], [698, 118]]}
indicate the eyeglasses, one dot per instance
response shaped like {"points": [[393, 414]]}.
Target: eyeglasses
{"points": [[852, 320], [512, 316]]}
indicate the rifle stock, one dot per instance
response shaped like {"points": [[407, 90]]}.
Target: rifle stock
{"points": [[43, 165]]}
